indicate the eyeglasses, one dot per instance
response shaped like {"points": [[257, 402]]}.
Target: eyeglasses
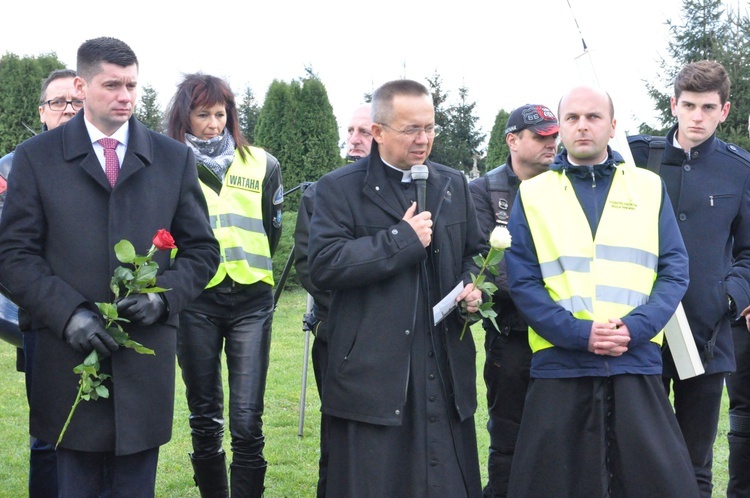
{"points": [[414, 131], [61, 104]]}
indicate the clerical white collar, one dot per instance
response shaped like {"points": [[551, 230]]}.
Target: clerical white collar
{"points": [[406, 172]]}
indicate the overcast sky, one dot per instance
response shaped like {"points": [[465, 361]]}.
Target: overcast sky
{"points": [[507, 53]]}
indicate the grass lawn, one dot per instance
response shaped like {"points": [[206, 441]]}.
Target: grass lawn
{"points": [[292, 459]]}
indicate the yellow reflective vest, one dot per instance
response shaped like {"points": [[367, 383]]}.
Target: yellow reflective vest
{"points": [[602, 277], [237, 220]]}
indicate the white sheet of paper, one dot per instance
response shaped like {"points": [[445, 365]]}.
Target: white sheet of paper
{"points": [[447, 304]]}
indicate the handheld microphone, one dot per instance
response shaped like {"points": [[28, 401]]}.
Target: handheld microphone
{"points": [[419, 174]]}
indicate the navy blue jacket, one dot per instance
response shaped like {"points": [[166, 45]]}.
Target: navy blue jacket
{"points": [[709, 187], [570, 335]]}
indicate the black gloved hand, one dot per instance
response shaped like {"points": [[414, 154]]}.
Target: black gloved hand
{"points": [[144, 309], [85, 331]]}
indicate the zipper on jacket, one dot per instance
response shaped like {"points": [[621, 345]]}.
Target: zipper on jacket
{"points": [[593, 177], [715, 198]]}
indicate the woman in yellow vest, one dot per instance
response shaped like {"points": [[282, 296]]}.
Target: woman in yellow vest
{"points": [[243, 190]]}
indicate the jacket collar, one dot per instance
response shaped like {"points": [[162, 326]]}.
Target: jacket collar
{"points": [[77, 144], [676, 156], [562, 165], [379, 188], [513, 179], [506, 169]]}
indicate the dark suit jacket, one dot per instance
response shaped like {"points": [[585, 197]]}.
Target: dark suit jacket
{"points": [[362, 250], [60, 223]]}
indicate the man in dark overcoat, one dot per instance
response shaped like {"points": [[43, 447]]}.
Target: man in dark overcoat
{"points": [[61, 220], [708, 181], [400, 388]]}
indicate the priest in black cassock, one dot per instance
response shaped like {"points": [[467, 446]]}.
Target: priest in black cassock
{"points": [[400, 388]]}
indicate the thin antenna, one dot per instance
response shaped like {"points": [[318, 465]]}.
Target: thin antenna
{"points": [[585, 48], [29, 128], [587, 69]]}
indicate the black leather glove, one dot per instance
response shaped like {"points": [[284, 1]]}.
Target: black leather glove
{"points": [[144, 309], [85, 331]]}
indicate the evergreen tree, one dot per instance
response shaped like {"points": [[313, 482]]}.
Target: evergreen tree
{"points": [[497, 149], [441, 146], [297, 125], [319, 131], [463, 136], [148, 111], [277, 132], [439, 99], [708, 31], [248, 111], [21, 80], [701, 36], [736, 60], [271, 118]]}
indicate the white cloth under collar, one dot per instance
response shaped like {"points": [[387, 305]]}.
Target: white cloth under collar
{"points": [[121, 135], [406, 172], [675, 143], [576, 164]]}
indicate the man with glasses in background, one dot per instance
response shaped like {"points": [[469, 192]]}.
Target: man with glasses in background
{"points": [[400, 388], [57, 105]]}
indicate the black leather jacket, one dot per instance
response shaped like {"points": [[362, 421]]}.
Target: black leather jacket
{"points": [[491, 213]]}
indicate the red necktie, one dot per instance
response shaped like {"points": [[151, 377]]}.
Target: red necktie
{"points": [[111, 163]]}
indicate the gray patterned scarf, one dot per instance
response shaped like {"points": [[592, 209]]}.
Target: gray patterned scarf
{"points": [[216, 154]]}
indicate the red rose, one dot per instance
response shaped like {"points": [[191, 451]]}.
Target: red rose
{"points": [[163, 240]]}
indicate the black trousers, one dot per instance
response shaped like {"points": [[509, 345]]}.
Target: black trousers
{"points": [[239, 323], [42, 457], [738, 388], [84, 474], [506, 375], [697, 405], [320, 363]]}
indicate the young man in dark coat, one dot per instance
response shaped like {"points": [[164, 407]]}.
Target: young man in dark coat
{"points": [[708, 182], [62, 217], [400, 388]]}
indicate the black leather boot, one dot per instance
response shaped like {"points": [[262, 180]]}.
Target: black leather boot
{"points": [[247, 482], [210, 475], [739, 459]]}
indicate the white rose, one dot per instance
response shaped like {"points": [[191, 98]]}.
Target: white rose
{"points": [[500, 238]]}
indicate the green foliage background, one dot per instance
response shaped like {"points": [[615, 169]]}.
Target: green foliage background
{"points": [[497, 149], [21, 82], [707, 29], [297, 125]]}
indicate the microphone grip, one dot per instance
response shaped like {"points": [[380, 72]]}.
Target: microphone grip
{"points": [[419, 175], [421, 186]]}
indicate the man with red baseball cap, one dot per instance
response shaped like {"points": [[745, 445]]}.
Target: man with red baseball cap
{"points": [[531, 135]]}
